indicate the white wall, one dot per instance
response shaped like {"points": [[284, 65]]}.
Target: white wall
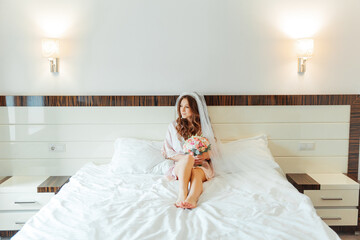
{"points": [[165, 47]]}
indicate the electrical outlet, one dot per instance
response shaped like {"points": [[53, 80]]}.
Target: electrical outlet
{"points": [[310, 146], [307, 146], [58, 147], [302, 146]]}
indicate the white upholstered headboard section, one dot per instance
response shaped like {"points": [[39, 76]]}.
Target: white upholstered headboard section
{"points": [[59, 140]]}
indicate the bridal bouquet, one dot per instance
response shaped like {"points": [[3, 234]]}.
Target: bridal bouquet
{"points": [[196, 145]]}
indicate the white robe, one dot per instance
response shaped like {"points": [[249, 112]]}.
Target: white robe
{"points": [[173, 145]]}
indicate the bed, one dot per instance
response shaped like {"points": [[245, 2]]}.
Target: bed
{"points": [[97, 205], [256, 203]]}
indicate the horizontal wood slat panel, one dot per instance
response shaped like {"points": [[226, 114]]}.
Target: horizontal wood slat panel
{"points": [[51, 167], [284, 130], [62, 133], [105, 149], [90, 101], [41, 150], [279, 114], [287, 148], [86, 115], [254, 100], [55, 166], [313, 164], [223, 114], [158, 131], [211, 100]]}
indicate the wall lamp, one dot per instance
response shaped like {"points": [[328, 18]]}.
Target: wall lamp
{"points": [[50, 50], [305, 49]]}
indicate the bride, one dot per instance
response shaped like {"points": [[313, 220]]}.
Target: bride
{"points": [[193, 119]]}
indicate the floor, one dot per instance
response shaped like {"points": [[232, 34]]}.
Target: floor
{"points": [[342, 236], [349, 237]]}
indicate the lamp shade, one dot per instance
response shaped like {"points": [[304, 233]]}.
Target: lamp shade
{"points": [[304, 48], [50, 48]]}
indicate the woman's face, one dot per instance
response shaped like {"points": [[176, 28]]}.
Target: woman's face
{"points": [[185, 109]]}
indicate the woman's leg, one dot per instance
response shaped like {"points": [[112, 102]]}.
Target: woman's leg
{"points": [[196, 188], [183, 172]]}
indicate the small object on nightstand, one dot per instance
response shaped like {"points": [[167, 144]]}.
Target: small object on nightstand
{"points": [[335, 196]]}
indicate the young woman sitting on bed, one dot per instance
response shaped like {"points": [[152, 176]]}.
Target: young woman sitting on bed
{"points": [[190, 121]]}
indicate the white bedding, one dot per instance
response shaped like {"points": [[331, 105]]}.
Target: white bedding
{"points": [[95, 204]]}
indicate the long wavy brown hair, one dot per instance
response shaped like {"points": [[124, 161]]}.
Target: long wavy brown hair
{"points": [[186, 128]]}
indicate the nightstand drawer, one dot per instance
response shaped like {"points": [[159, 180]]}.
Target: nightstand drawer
{"points": [[14, 220], [339, 217], [24, 201], [333, 198]]}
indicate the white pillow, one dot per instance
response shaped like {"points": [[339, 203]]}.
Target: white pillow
{"points": [[133, 155], [243, 155], [162, 168]]}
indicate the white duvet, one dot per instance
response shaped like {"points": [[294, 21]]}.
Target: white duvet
{"points": [[95, 204]]}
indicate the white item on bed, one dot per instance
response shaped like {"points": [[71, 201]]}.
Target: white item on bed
{"points": [[246, 205], [133, 155], [162, 168], [248, 154]]}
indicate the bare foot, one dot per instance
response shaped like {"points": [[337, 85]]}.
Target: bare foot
{"points": [[180, 200], [188, 203]]}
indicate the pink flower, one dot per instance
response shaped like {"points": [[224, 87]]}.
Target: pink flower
{"points": [[196, 143]]}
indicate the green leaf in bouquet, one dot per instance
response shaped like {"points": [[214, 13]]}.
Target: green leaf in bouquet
{"points": [[194, 152]]}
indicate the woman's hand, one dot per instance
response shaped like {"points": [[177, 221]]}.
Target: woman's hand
{"points": [[199, 159]]}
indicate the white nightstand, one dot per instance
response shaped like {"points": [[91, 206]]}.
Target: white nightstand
{"points": [[335, 196], [23, 196], [337, 200], [19, 200]]}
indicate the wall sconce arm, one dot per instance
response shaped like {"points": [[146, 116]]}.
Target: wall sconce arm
{"points": [[302, 65], [54, 64]]}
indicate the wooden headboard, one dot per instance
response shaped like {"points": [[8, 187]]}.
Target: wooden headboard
{"points": [[83, 128]]}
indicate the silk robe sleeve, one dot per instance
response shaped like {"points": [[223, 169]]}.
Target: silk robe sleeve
{"points": [[168, 149]]}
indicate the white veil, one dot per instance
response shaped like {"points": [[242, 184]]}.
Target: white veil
{"points": [[206, 128]]}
